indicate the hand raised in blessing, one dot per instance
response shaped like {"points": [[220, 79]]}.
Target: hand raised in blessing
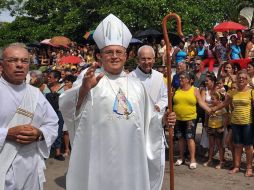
{"points": [[90, 80]]}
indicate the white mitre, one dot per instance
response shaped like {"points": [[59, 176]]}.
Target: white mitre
{"points": [[112, 31]]}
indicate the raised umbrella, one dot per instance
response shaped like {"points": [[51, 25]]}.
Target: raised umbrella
{"points": [[61, 41], [148, 33], [135, 41], [47, 42], [174, 38], [71, 59], [229, 25], [195, 39]]}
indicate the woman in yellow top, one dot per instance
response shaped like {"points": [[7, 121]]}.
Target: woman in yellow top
{"points": [[184, 105], [241, 122]]}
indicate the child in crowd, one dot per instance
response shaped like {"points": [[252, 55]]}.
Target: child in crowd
{"points": [[216, 125], [220, 86]]}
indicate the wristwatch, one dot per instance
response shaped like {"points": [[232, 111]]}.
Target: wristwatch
{"points": [[41, 137]]}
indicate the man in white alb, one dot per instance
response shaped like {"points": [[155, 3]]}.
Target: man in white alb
{"points": [[154, 84], [28, 124], [117, 144], [152, 79]]}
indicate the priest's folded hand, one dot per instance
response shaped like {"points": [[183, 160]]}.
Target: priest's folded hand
{"points": [[14, 131], [24, 134]]}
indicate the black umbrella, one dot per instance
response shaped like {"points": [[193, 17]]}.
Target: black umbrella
{"points": [[148, 33], [151, 33], [135, 41], [174, 38], [34, 44]]}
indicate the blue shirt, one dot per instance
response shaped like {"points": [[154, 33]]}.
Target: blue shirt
{"points": [[180, 56], [235, 51], [176, 81]]}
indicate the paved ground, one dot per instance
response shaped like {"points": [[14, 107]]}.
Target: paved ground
{"points": [[203, 178]]}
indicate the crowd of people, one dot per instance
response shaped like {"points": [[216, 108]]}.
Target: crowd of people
{"points": [[107, 113], [226, 90]]}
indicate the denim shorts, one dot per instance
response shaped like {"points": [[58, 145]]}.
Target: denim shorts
{"points": [[242, 134], [184, 129], [216, 132]]}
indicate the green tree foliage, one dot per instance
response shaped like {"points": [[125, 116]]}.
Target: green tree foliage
{"points": [[37, 20]]}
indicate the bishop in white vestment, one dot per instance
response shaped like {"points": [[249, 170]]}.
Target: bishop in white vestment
{"points": [[117, 143], [111, 151]]}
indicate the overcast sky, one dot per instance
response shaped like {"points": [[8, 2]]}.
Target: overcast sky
{"points": [[5, 17]]}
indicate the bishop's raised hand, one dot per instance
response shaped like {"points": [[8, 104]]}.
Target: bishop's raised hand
{"points": [[90, 80]]}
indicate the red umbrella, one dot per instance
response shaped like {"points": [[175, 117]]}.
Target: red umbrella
{"points": [[70, 59], [242, 62], [226, 26], [195, 39]]}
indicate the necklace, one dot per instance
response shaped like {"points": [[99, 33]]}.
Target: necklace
{"points": [[123, 105]]}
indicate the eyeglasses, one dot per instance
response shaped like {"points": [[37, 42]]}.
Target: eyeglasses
{"points": [[13, 60], [117, 53], [242, 78]]}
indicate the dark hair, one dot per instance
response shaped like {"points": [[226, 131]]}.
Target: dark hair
{"points": [[67, 70], [187, 75], [96, 51], [70, 78], [223, 38], [210, 35], [227, 63], [236, 66], [202, 41], [197, 58], [251, 36], [56, 74], [211, 76]]}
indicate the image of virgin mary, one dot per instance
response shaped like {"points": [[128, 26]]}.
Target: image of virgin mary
{"points": [[122, 105]]}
